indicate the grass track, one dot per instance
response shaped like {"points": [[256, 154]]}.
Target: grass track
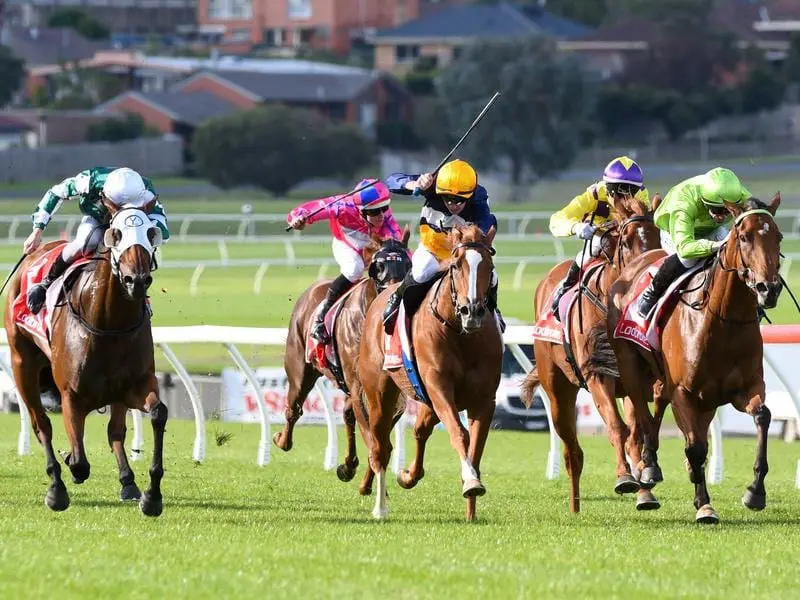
{"points": [[232, 530]]}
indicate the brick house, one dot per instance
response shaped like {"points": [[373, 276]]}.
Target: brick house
{"points": [[291, 24]]}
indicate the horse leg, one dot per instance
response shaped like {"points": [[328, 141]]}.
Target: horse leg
{"points": [[755, 496], [116, 439], [480, 422], [302, 377], [618, 432], [151, 503], [27, 381], [347, 470], [75, 422], [694, 425], [645, 499], [426, 421], [382, 398]]}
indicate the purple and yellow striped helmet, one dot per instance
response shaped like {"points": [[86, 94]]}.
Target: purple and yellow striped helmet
{"points": [[624, 170]]}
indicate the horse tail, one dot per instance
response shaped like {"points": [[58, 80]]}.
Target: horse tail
{"points": [[529, 384], [602, 360]]}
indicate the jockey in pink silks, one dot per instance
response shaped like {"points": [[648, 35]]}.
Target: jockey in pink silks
{"points": [[352, 219]]}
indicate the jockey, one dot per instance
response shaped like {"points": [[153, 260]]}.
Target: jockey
{"points": [[622, 178], [692, 219], [452, 198], [353, 217], [123, 187]]}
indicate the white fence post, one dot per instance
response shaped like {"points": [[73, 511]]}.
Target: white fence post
{"points": [[138, 438]]}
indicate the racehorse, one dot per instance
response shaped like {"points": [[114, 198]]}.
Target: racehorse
{"points": [[388, 263], [100, 352], [458, 348], [711, 350], [557, 366]]}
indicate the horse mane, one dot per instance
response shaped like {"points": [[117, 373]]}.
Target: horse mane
{"points": [[753, 203]]}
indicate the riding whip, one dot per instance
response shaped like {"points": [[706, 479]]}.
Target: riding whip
{"points": [[335, 200], [11, 274], [463, 137]]}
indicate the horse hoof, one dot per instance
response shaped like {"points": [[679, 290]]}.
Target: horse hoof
{"points": [[472, 489], [365, 491], [345, 473], [646, 501], [626, 484], [278, 440], [151, 505], [405, 480], [707, 515], [650, 477], [57, 498], [129, 492], [754, 501]]}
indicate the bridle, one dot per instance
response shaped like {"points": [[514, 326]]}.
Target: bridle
{"points": [[459, 308]]}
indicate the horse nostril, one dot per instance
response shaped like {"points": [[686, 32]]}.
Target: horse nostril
{"points": [[481, 311], [127, 280], [464, 310], [762, 287]]}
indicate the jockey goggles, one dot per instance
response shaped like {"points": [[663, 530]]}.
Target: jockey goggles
{"points": [[453, 200], [374, 212]]}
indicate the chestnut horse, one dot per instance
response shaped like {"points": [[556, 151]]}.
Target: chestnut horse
{"points": [[631, 233], [711, 347], [100, 353], [458, 349], [389, 262]]}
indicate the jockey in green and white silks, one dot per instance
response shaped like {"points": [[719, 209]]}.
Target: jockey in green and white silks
{"points": [[123, 187], [693, 222]]}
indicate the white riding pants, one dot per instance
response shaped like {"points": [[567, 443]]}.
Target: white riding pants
{"points": [[715, 235], [87, 238], [350, 261]]}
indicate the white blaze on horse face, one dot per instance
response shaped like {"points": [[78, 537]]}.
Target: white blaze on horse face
{"points": [[474, 259], [765, 229]]}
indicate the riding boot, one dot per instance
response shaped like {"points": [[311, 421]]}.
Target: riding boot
{"points": [[393, 304], [669, 271], [38, 293], [491, 304], [571, 279], [336, 290]]}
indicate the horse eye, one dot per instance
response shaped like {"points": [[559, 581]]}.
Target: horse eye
{"points": [[742, 238]]}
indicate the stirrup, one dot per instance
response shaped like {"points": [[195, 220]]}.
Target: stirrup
{"points": [[391, 309]]}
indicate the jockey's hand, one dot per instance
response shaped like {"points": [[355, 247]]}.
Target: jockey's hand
{"points": [[33, 241], [584, 231], [424, 181], [716, 246], [298, 223]]}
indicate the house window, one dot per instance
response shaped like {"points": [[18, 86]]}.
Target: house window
{"points": [[406, 53], [230, 10], [274, 38], [299, 9], [337, 111]]}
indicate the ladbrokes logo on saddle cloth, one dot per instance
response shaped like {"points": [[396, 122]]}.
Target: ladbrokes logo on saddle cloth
{"points": [[647, 333], [39, 325]]}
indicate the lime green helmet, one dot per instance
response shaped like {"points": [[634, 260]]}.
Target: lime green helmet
{"points": [[719, 185]]}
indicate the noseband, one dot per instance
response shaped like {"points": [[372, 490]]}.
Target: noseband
{"points": [[745, 272]]}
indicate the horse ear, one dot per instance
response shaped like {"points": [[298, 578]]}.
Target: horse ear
{"points": [[148, 208], [456, 235], [776, 202], [490, 235], [112, 208], [734, 209], [406, 236], [656, 201]]}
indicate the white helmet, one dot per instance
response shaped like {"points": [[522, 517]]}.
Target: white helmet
{"points": [[125, 188]]}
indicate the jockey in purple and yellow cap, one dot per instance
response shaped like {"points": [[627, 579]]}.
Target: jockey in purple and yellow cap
{"points": [[622, 178]]}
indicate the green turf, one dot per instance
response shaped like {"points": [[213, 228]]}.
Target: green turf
{"points": [[233, 530]]}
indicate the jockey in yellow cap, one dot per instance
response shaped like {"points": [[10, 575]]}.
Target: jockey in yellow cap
{"points": [[622, 178], [452, 198]]}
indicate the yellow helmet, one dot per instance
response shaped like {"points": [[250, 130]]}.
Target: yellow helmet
{"points": [[457, 178]]}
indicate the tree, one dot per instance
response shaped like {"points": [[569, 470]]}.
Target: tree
{"points": [[277, 147], [537, 122], [117, 130], [12, 71], [76, 19]]}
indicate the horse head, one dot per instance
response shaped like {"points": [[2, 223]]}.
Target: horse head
{"points": [[634, 230], [132, 240], [753, 248], [471, 268], [389, 260]]}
